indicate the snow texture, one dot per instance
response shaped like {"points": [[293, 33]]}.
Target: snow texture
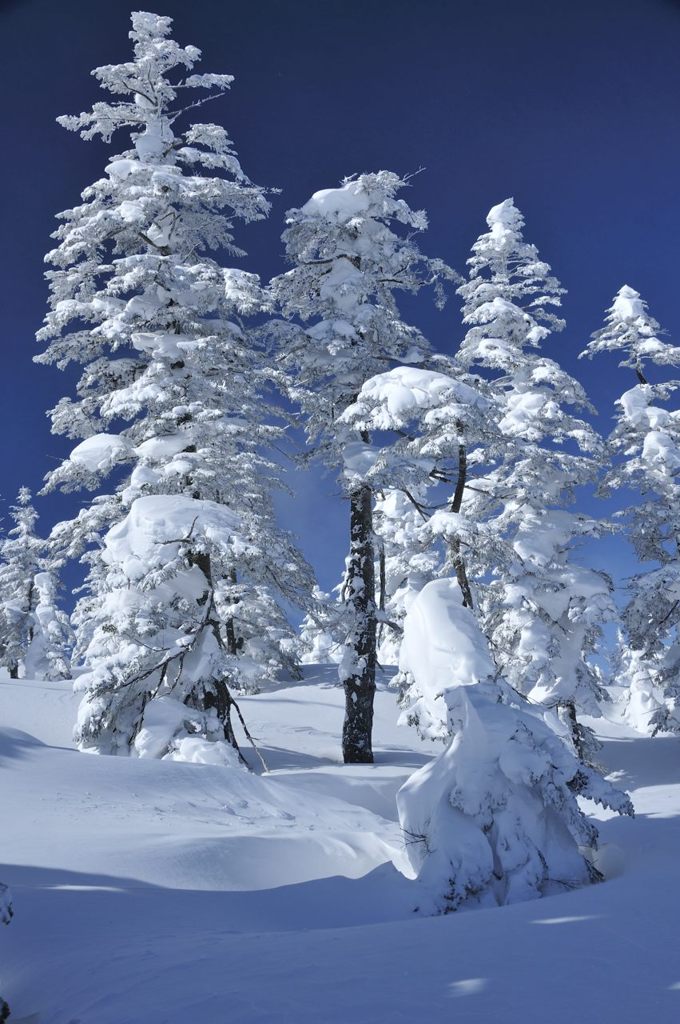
{"points": [[289, 877]]}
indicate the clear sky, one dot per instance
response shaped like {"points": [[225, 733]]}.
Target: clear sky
{"points": [[570, 106]]}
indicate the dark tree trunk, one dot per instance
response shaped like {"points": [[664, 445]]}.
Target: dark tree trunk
{"points": [[568, 715], [360, 688], [233, 644], [456, 554], [220, 697], [13, 671]]}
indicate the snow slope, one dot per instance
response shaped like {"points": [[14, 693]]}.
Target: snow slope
{"points": [[157, 893]]}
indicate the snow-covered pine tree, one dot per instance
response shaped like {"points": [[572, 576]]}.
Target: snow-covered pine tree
{"points": [[35, 634], [320, 637], [351, 249], [640, 676], [495, 818], [20, 561], [645, 450], [49, 653], [186, 586], [542, 612]]}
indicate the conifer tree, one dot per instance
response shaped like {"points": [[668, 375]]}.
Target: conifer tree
{"points": [[645, 449], [541, 610], [351, 249], [187, 584], [35, 632]]}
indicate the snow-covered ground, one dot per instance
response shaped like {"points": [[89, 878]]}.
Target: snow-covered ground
{"points": [[154, 892]]}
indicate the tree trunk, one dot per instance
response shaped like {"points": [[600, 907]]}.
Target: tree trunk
{"points": [[456, 554], [14, 670], [233, 645], [360, 687]]}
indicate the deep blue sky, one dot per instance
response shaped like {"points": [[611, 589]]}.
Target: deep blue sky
{"points": [[570, 106]]}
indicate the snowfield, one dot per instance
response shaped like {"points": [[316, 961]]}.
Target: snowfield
{"points": [[152, 892]]}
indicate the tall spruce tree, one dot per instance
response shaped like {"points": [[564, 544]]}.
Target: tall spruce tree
{"points": [[351, 249], [190, 573], [541, 610], [645, 451]]}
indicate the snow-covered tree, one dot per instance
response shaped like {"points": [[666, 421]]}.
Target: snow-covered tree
{"points": [[35, 634], [495, 818], [639, 676], [20, 561], [645, 449], [48, 655], [351, 249], [6, 914], [542, 612], [187, 586], [320, 637]]}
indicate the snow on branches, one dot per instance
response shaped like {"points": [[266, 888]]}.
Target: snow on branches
{"points": [[351, 249], [645, 452], [435, 422], [35, 634], [542, 613], [171, 407]]}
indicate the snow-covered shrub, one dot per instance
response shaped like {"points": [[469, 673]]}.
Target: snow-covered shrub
{"points": [[493, 819]]}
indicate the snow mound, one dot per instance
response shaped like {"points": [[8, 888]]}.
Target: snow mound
{"points": [[627, 304], [394, 398], [344, 203], [162, 519], [100, 452]]}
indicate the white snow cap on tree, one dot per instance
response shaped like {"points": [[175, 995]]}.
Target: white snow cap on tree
{"points": [[171, 397], [645, 451], [494, 819]]}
